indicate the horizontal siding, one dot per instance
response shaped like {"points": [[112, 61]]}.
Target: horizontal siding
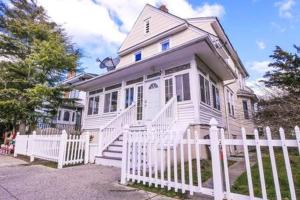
{"points": [[206, 113], [186, 112]]}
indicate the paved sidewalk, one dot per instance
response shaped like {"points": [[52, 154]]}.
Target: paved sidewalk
{"points": [[10, 161], [30, 182]]}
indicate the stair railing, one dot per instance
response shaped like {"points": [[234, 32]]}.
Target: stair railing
{"points": [[165, 119], [113, 129]]}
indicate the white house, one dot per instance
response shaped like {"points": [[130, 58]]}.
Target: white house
{"points": [[173, 74]]}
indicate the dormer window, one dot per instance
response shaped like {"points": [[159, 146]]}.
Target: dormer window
{"points": [[147, 26], [138, 56], [165, 45]]}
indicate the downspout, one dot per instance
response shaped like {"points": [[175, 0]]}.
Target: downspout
{"points": [[226, 111]]}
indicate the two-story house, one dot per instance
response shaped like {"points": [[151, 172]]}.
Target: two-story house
{"points": [[173, 74]]}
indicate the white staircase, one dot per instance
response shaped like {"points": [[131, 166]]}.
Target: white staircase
{"points": [[112, 155]]}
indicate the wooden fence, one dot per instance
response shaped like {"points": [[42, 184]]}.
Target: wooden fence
{"points": [[64, 149], [168, 163]]}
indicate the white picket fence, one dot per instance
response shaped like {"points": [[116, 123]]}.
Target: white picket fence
{"points": [[154, 160], [64, 149]]}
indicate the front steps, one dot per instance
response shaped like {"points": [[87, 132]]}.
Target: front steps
{"points": [[112, 156]]}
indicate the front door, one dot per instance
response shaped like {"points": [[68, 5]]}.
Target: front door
{"points": [[152, 100]]}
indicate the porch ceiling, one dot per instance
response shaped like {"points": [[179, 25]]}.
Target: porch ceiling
{"points": [[202, 47]]}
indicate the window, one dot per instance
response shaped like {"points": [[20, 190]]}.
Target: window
{"points": [[129, 96], [230, 102], [216, 97], [165, 45], [245, 108], [139, 106], [138, 56], [153, 86], [183, 87], [204, 90], [93, 106], [168, 89], [147, 26], [111, 102], [73, 117], [59, 115], [66, 116], [74, 94]]}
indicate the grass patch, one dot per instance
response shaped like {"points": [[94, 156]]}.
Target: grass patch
{"points": [[206, 173], [241, 184]]}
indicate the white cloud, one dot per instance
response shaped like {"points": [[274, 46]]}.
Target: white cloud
{"points": [[278, 27], [285, 7], [259, 66], [261, 45]]}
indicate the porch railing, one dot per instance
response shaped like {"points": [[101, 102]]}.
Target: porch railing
{"points": [[165, 119], [111, 131]]}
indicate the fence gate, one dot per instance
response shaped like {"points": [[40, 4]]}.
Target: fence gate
{"points": [[63, 149], [168, 162]]}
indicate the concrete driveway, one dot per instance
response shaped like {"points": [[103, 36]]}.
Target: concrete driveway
{"points": [[30, 182]]}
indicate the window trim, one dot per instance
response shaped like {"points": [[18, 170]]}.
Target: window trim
{"points": [[230, 102]]}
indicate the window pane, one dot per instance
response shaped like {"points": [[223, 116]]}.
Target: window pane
{"points": [[179, 92], [138, 56], [129, 96], [73, 117], [59, 115], [207, 92], [218, 99], [186, 87], [202, 90], [106, 102], [165, 45], [168, 89], [214, 96], [96, 105], [90, 108], [66, 116], [114, 101]]}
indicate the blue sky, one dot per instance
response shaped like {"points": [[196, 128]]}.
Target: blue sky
{"points": [[253, 26]]}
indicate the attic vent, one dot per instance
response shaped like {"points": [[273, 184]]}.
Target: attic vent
{"points": [[147, 26]]}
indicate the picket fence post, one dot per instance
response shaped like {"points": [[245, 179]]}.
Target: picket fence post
{"points": [[16, 140], [32, 145], [87, 147], [124, 154], [215, 158], [62, 149]]}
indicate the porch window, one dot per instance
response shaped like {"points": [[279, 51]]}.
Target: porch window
{"points": [[230, 102], [59, 115], [183, 87], [168, 89], [93, 107], [139, 103], [129, 96], [245, 108], [73, 117], [138, 56], [204, 90], [111, 102], [216, 97]]}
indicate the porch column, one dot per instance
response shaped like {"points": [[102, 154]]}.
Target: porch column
{"points": [[195, 89], [122, 96]]}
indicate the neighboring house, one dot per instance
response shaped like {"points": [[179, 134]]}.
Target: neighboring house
{"points": [[173, 74], [70, 117]]}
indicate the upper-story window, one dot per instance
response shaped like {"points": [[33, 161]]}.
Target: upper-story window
{"points": [[245, 108], [111, 102], [165, 45], [230, 102], [74, 94], [147, 25], [183, 87], [138, 56]]}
